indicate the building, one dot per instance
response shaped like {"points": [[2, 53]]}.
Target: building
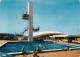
{"points": [[44, 35]]}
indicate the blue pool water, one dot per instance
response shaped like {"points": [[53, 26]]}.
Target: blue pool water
{"points": [[12, 47], [5, 55]]}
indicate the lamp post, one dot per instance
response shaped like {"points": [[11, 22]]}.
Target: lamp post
{"points": [[29, 17]]}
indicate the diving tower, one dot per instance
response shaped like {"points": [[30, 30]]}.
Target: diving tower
{"points": [[29, 17]]}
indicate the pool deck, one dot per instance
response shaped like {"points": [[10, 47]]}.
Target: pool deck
{"points": [[73, 53]]}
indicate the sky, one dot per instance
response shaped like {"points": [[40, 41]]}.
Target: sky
{"points": [[49, 15]]}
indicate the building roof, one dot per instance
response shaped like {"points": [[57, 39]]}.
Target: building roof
{"points": [[74, 36], [39, 34]]}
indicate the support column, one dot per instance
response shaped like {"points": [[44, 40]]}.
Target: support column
{"points": [[30, 21]]}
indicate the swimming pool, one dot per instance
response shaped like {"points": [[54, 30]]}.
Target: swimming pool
{"points": [[5, 55], [12, 47]]}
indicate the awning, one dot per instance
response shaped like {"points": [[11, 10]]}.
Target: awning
{"points": [[58, 36]]}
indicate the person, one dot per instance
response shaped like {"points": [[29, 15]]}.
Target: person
{"points": [[38, 49], [54, 47], [23, 52], [66, 49], [35, 54]]}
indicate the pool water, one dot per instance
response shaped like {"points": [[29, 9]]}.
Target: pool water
{"points": [[5, 55], [11, 47]]}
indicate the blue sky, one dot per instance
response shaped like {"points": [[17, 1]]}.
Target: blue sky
{"points": [[49, 15]]}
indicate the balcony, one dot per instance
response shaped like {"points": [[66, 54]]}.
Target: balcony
{"points": [[25, 16]]}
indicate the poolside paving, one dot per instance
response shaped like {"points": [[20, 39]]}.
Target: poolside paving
{"points": [[74, 53]]}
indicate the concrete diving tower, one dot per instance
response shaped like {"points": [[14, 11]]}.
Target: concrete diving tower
{"points": [[29, 17]]}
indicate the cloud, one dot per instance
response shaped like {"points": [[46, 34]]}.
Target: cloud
{"points": [[0, 0], [79, 0]]}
